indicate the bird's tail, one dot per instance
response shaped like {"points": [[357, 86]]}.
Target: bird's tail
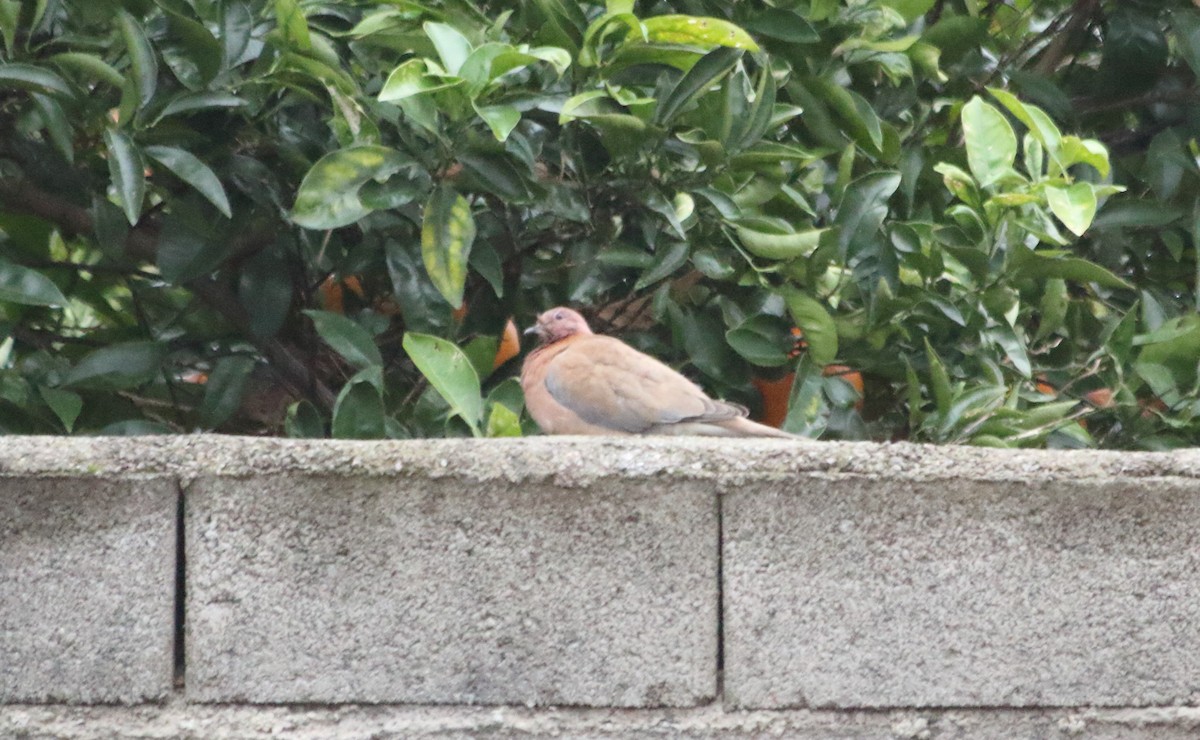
{"points": [[736, 427]]}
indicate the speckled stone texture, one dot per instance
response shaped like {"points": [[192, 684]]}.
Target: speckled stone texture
{"points": [[917, 590], [316, 588], [87, 594]]}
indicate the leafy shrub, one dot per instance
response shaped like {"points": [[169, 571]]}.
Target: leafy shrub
{"points": [[318, 218]]}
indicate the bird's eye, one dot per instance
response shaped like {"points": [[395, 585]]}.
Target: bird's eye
{"points": [[558, 316]]}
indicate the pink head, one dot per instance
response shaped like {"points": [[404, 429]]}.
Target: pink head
{"points": [[558, 323]]}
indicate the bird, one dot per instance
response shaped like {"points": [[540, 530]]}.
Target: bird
{"points": [[579, 382]]}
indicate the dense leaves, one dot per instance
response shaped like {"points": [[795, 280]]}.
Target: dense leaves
{"points": [[879, 219]]}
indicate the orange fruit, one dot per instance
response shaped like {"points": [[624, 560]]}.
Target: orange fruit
{"points": [[1101, 398], [510, 345]]}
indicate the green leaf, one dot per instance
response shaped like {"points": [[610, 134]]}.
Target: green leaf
{"points": [[413, 78], [855, 113], [778, 246], [991, 143], [35, 79], [329, 195], [117, 366], [57, 125], [820, 331], [127, 170], [785, 25], [1013, 346], [224, 390], [265, 290], [450, 373], [142, 61], [189, 247], [28, 287], [1052, 309], [501, 119], [66, 405], [193, 101], [452, 47], [191, 51], [697, 31], [289, 16], [194, 172], [358, 413], [1075, 206], [762, 340], [808, 411], [303, 421], [347, 338], [666, 261], [711, 67], [90, 66], [447, 232], [939, 380], [862, 210], [503, 422]]}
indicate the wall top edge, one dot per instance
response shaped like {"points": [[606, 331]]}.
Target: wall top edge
{"points": [[572, 461]]}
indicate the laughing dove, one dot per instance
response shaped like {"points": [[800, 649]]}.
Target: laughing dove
{"points": [[578, 382]]}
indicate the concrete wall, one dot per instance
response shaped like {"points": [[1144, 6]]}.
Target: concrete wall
{"points": [[678, 587]]}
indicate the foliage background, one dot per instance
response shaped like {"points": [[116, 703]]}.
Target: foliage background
{"points": [[316, 218]]}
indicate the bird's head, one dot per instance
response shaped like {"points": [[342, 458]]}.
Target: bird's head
{"points": [[558, 323]]}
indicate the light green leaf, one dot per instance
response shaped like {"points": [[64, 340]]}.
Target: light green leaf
{"points": [[289, 16], [501, 119], [991, 143], [413, 78], [447, 232], [329, 195], [347, 338], [19, 284], [1075, 206], [194, 172], [779, 246], [450, 373], [452, 46], [502, 422], [697, 31], [127, 170]]}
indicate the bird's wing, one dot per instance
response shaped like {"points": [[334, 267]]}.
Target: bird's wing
{"points": [[610, 384]]}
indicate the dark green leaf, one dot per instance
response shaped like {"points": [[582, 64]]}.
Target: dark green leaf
{"points": [[762, 340], [127, 170], [142, 61], [358, 413], [304, 421], [224, 389], [20, 284], [118, 366], [711, 67], [347, 338], [194, 172], [32, 78], [66, 405]]}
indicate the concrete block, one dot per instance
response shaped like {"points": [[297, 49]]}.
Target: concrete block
{"points": [[87, 588], [435, 586], [972, 589]]}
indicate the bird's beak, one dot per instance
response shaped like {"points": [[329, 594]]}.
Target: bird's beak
{"points": [[531, 330]]}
